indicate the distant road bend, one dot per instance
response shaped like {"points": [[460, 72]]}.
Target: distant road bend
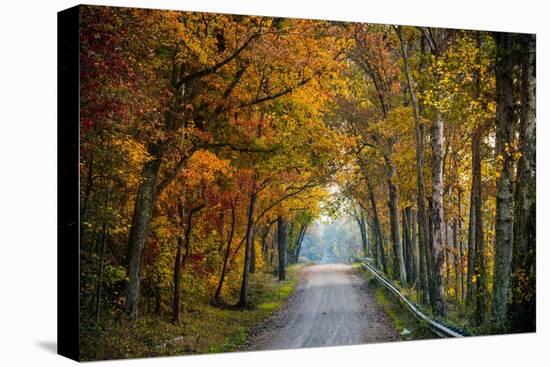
{"points": [[331, 306]]}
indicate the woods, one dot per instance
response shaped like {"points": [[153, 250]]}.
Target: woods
{"points": [[212, 144]]}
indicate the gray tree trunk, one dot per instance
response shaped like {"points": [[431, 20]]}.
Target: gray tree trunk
{"points": [[504, 202], [412, 221], [360, 219], [474, 198], [281, 236], [476, 299], [437, 217], [368, 241], [303, 230], [252, 269], [480, 266], [399, 271], [177, 280], [243, 297], [381, 260], [447, 257], [217, 295], [421, 192], [456, 260], [143, 211], [374, 247], [184, 244], [407, 246], [522, 310], [461, 249]]}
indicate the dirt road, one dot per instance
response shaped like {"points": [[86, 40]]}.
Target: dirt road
{"points": [[331, 306]]}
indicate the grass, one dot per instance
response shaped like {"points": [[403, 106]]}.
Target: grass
{"points": [[204, 328], [399, 315], [456, 313]]}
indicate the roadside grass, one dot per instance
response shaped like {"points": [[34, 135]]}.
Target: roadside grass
{"points": [[399, 315], [456, 312], [204, 328]]}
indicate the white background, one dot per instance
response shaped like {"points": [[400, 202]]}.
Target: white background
{"points": [[28, 182]]}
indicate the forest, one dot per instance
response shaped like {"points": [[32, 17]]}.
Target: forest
{"points": [[213, 146]]}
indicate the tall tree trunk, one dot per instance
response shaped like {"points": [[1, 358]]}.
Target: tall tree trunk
{"points": [[474, 221], [477, 272], [407, 248], [421, 192], [470, 291], [248, 247], [177, 281], [437, 217], [183, 252], [178, 267], [504, 202], [302, 233], [101, 258], [411, 221], [292, 242], [143, 211], [263, 240], [522, 310], [217, 295], [447, 257], [368, 240], [272, 257], [456, 260], [252, 269], [360, 219], [480, 266], [281, 240], [378, 230], [461, 248], [375, 246], [399, 271], [450, 252], [430, 263], [100, 271]]}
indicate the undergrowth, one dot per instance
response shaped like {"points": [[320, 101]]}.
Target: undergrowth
{"points": [[399, 315], [204, 328]]}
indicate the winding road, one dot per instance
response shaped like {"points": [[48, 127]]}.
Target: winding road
{"points": [[332, 306]]}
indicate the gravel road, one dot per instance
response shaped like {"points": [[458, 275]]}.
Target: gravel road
{"points": [[332, 306]]}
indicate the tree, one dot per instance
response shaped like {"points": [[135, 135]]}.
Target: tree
{"points": [[218, 294], [281, 241], [522, 310], [421, 196], [249, 242], [359, 216], [505, 118], [438, 40], [180, 76], [189, 112], [372, 56]]}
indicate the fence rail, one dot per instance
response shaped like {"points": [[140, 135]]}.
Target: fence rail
{"points": [[436, 327]]}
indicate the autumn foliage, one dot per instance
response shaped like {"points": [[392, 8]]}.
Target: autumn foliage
{"points": [[202, 134]]}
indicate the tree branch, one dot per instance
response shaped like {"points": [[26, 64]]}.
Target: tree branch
{"points": [[268, 97], [217, 66], [428, 35]]}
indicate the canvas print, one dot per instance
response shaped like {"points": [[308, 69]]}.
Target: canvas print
{"points": [[259, 183]]}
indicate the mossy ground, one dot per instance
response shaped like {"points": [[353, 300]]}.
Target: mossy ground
{"points": [[204, 328]]}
